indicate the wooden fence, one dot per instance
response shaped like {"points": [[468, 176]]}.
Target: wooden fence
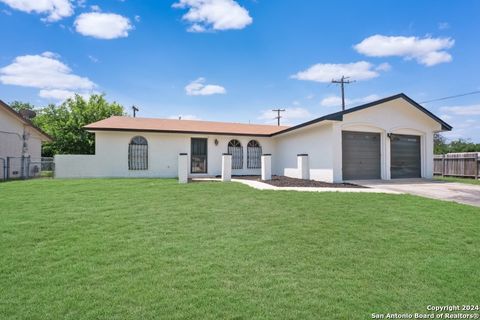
{"points": [[457, 165]]}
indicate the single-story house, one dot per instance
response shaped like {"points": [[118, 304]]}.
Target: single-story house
{"points": [[385, 139], [20, 143]]}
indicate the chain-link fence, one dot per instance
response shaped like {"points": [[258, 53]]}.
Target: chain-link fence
{"points": [[26, 168]]}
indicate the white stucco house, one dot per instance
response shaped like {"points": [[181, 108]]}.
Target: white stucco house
{"points": [[20, 139], [385, 139]]}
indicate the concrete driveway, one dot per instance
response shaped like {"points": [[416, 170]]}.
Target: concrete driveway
{"points": [[450, 191]]}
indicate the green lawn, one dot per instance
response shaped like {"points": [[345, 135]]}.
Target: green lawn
{"points": [[461, 180], [154, 249]]}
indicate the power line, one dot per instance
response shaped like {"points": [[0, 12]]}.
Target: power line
{"points": [[343, 80], [452, 97]]}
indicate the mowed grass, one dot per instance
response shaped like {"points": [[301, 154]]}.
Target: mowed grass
{"points": [[461, 180], [154, 249]]}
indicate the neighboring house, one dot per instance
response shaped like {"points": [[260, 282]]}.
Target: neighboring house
{"points": [[386, 139], [20, 143]]}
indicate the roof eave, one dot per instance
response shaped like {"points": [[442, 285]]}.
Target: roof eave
{"points": [[179, 131], [27, 122]]}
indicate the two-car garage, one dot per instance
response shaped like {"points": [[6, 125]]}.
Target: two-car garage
{"points": [[361, 155]]}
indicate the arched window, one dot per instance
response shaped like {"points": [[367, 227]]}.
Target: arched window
{"points": [[235, 149], [138, 154], [254, 154]]}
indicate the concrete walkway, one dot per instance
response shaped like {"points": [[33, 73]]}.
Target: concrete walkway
{"points": [[449, 191], [265, 186]]}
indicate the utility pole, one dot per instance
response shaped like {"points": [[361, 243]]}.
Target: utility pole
{"points": [[135, 109], [278, 117], [343, 80]]}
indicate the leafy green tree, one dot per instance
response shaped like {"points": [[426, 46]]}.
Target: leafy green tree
{"points": [[18, 105], [460, 145], [65, 123], [463, 145], [440, 145]]}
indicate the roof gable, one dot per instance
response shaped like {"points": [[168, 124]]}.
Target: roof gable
{"points": [[338, 116], [27, 122]]}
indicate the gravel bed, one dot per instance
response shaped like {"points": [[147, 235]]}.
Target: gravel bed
{"points": [[282, 181]]}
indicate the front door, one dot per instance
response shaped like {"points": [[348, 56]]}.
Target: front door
{"points": [[199, 155]]}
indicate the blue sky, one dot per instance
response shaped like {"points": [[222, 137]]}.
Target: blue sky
{"points": [[232, 60]]}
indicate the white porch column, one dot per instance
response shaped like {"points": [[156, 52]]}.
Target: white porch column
{"points": [[226, 167], [267, 166], [303, 166], [182, 168], [386, 171]]}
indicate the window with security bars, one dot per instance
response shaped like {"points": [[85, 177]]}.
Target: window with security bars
{"points": [[138, 154], [236, 150], [254, 155]]}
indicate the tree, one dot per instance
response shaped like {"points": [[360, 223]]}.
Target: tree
{"points": [[463, 145], [439, 144], [18, 105], [460, 145], [65, 123]]}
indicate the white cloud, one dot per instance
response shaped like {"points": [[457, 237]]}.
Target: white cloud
{"points": [[331, 101], [335, 101], [427, 51], [62, 95], [196, 28], [199, 88], [360, 70], [52, 55], [288, 116], [138, 18], [184, 117], [95, 8], [44, 72], [462, 127], [214, 14], [383, 67], [93, 59], [54, 9], [465, 120], [296, 113], [443, 25], [103, 25], [56, 94], [469, 110]]}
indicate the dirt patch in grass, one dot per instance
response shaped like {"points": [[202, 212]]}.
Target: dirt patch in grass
{"points": [[282, 181]]}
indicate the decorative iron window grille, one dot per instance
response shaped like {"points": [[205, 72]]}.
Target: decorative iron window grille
{"points": [[138, 154], [254, 155], [236, 150]]}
